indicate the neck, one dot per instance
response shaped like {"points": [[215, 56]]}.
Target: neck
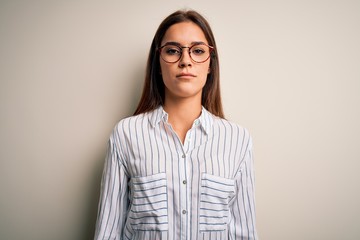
{"points": [[185, 110], [182, 113]]}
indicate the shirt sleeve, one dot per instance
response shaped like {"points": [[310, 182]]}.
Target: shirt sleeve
{"points": [[113, 202], [242, 224]]}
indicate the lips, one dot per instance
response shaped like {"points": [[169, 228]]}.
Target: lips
{"points": [[185, 75]]}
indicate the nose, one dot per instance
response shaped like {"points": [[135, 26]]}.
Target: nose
{"points": [[185, 59]]}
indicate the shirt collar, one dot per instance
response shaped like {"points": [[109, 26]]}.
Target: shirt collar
{"points": [[205, 120], [158, 115]]}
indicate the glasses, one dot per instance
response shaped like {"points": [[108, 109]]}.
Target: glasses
{"points": [[171, 52]]}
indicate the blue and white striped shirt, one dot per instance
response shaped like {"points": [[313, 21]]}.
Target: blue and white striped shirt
{"points": [[156, 187]]}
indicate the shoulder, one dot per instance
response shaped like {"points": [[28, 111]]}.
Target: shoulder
{"points": [[141, 120], [232, 130], [131, 120], [228, 125], [128, 126]]}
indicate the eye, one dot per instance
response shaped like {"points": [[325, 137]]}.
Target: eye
{"points": [[172, 50], [198, 50]]}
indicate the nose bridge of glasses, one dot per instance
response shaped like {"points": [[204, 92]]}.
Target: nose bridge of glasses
{"points": [[182, 52]]}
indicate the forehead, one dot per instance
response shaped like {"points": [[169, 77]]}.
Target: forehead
{"points": [[184, 33]]}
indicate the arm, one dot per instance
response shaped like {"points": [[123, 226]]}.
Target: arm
{"points": [[242, 225], [113, 202]]}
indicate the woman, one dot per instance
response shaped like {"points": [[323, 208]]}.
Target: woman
{"points": [[177, 169]]}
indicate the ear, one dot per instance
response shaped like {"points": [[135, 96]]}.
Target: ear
{"points": [[209, 70]]}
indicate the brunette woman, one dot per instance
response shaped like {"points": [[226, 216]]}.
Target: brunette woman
{"points": [[177, 169]]}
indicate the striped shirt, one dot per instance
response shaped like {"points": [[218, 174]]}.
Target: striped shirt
{"points": [[156, 187]]}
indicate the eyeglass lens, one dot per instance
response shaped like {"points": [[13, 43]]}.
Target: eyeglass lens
{"points": [[172, 53]]}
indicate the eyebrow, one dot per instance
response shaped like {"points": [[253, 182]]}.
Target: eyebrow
{"points": [[178, 44]]}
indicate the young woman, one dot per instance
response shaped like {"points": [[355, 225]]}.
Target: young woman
{"points": [[177, 169]]}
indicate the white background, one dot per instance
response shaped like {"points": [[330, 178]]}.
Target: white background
{"points": [[290, 72]]}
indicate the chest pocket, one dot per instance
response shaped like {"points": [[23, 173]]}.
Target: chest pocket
{"points": [[149, 207], [215, 195]]}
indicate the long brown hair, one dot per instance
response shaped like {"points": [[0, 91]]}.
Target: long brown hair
{"points": [[153, 94]]}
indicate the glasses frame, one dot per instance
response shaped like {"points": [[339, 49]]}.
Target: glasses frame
{"points": [[211, 48]]}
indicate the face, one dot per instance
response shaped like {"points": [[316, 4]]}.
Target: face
{"points": [[185, 78]]}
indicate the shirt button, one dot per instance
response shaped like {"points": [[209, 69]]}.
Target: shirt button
{"points": [[183, 156], [184, 182], [183, 211]]}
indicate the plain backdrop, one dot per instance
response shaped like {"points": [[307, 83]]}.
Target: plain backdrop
{"points": [[290, 73]]}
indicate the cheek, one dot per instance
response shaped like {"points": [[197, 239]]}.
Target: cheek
{"points": [[161, 67], [205, 70], [164, 69]]}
